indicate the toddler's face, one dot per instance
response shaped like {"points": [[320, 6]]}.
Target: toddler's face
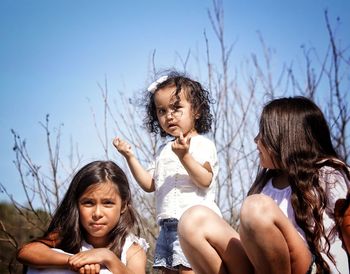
{"points": [[99, 212], [174, 117]]}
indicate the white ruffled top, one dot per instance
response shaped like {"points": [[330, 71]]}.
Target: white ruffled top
{"points": [[175, 191], [129, 241]]}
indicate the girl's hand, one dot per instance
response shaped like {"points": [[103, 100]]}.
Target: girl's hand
{"points": [[90, 269], [181, 145], [89, 262], [123, 147]]}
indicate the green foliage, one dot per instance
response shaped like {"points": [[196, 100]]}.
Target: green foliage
{"points": [[15, 230]]}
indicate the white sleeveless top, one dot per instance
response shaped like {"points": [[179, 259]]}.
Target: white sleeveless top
{"points": [[129, 241]]}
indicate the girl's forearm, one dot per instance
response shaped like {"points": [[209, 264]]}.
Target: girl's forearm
{"points": [[114, 265], [119, 267], [41, 256]]}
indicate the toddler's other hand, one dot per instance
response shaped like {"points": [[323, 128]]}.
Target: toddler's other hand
{"points": [[123, 147]]}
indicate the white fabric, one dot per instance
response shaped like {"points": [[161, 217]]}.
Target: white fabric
{"points": [[152, 87], [335, 186], [175, 192], [282, 198], [129, 241]]}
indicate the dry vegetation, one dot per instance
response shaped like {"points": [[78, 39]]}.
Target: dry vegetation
{"points": [[238, 100]]}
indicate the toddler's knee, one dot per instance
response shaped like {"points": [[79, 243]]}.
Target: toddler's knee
{"points": [[256, 210]]}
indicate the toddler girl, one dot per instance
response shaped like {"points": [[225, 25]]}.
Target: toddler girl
{"points": [[185, 169]]}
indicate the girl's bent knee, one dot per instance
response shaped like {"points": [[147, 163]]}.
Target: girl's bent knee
{"points": [[192, 218], [256, 209]]}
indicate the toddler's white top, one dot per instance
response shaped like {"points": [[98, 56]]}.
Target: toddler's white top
{"points": [[335, 186], [129, 241], [175, 192]]}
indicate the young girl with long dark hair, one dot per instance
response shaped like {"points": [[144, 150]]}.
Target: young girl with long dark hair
{"points": [[92, 229], [287, 222]]}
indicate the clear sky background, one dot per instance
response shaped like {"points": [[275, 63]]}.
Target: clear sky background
{"points": [[54, 53]]}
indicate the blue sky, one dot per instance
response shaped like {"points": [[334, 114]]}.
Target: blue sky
{"points": [[54, 53]]}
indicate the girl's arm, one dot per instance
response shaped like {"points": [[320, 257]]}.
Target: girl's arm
{"points": [[104, 256], [201, 175], [136, 259], [143, 178], [39, 255]]}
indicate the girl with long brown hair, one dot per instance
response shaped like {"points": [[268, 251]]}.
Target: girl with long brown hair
{"points": [[287, 222], [93, 228]]}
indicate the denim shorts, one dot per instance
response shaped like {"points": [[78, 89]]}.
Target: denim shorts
{"points": [[168, 253]]}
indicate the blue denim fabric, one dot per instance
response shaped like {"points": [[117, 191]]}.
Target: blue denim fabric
{"points": [[168, 252]]}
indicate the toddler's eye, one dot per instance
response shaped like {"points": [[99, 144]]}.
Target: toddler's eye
{"points": [[161, 111]]}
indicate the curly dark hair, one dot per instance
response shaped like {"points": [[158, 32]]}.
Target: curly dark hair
{"points": [[296, 134], [198, 97]]}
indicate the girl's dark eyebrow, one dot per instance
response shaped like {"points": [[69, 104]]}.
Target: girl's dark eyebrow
{"points": [[84, 198], [108, 198]]}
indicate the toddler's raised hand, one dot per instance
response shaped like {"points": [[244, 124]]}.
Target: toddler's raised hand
{"points": [[181, 145], [123, 147]]}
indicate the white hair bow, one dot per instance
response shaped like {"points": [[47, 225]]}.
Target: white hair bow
{"points": [[152, 87]]}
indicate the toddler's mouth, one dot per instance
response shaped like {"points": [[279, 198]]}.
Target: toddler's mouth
{"points": [[171, 126]]}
